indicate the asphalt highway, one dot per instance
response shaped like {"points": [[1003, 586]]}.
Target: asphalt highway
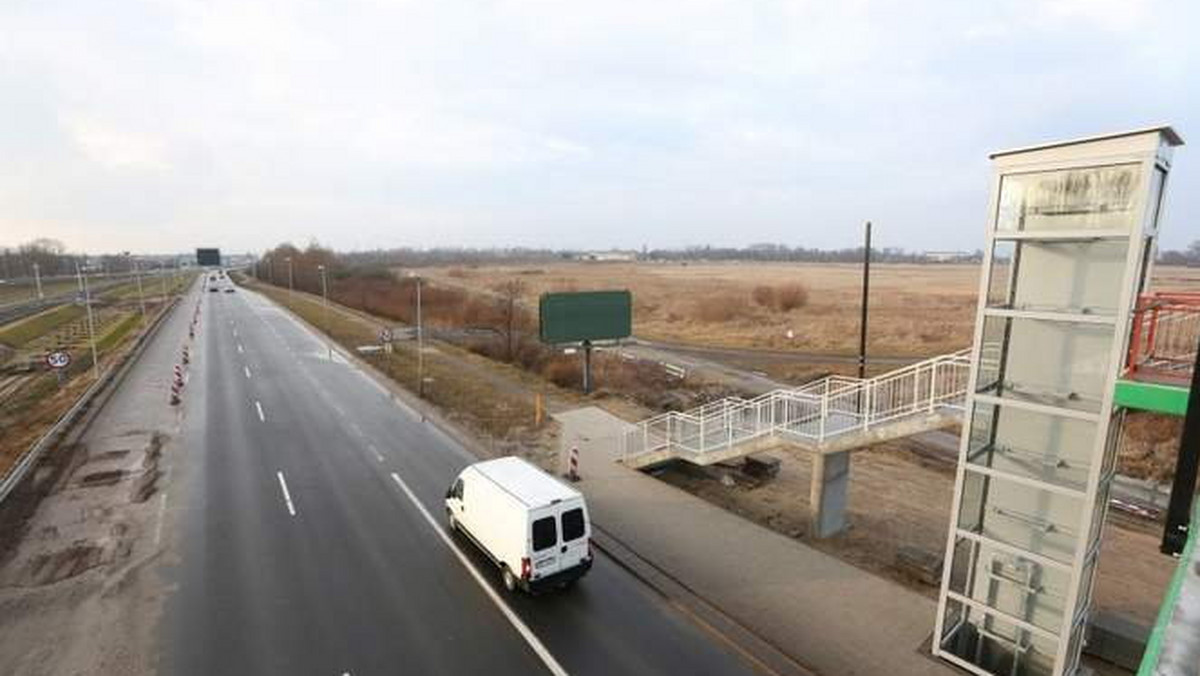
{"points": [[312, 537]]}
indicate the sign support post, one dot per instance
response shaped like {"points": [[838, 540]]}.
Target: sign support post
{"points": [[587, 367]]}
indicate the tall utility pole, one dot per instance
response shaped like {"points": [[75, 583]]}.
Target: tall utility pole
{"points": [[866, 292], [325, 293], [420, 346], [162, 277], [37, 280], [291, 282], [91, 322], [137, 273]]}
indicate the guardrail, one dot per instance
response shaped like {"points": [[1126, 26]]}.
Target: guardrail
{"points": [[816, 412], [1166, 330], [112, 374]]}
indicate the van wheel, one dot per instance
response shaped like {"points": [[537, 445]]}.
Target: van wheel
{"points": [[510, 580]]}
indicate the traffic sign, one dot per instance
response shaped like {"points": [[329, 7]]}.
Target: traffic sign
{"points": [[59, 359], [385, 335]]}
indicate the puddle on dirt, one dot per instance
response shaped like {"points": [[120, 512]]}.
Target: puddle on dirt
{"points": [[64, 564]]}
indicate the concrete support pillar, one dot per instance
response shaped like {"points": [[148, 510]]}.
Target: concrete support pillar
{"points": [[828, 492]]}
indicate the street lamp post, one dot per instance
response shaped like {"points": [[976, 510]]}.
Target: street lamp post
{"points": [[162, 277], [325, 294], [137, 273], [37, 280], [291, 282], [420, 346], [91, 323]]}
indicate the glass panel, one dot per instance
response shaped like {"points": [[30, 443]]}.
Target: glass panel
{"points": [[1061, 364], [1069, 199], [1034, 520], [1048, 448], [572, 524], [995, 644], [1080, 277], [1004, 254], [545, 533], [1012, 584]]}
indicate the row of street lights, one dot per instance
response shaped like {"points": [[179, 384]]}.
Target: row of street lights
{"points": [[323, 271], [85, 291]]}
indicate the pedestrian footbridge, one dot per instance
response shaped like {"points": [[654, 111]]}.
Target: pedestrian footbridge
{"points": [[830, 415]]}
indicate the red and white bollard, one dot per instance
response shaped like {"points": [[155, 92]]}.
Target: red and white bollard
{"points": [[186, 358], [573, 464], [174, 394]]}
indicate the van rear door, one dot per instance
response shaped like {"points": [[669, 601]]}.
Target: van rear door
{"points": [[573, 535], [560, 538], [544, 542]]}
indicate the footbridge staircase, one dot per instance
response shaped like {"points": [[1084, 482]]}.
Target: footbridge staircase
{"points": [[831, 415]]}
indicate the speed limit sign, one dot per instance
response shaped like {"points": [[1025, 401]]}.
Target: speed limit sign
{"points": [[59, 359]]}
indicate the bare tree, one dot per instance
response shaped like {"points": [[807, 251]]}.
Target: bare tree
{"points": [[510, 294]]}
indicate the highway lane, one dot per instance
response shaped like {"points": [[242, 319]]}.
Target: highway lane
{"points": [[301, 554]]}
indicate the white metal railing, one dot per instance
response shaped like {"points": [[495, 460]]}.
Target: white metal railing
{"points": [[815, 412]]}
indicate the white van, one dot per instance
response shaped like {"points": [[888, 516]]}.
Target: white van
{"points": [[532, 526]]}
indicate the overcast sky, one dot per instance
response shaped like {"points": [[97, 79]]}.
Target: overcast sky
{"points": [[166, 124]]}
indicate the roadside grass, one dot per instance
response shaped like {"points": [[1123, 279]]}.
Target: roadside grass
{"points": [[484, 404], [18, 334], [118, 332]]}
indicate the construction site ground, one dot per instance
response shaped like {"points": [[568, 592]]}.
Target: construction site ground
{"points": [[900, 496]]}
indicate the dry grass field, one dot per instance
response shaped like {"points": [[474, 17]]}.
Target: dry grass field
{"points": [[916, 310]]}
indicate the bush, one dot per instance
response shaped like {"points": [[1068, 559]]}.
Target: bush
{"points": [[716, 309], [791, 297], [764, 296], [564, 373]]}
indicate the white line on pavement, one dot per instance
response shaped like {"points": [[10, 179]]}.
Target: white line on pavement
{"points": [[162, 508], [240, 350], [378, 455], [261, 417], [287, 497], [525, 632], [246, 370]]}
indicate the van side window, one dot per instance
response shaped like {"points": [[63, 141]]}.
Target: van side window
{"points": [[572, 524], [545, 533], [458, 489]]}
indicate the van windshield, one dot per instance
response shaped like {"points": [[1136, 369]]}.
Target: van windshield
{"points": [[572, 524], [545, 533]]}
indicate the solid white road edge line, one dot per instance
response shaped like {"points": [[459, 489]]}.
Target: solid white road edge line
{"points": [[287, 497], [261, 417], [527, 634]]}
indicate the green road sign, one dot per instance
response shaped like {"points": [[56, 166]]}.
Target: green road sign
{"points": [[586, 315]]}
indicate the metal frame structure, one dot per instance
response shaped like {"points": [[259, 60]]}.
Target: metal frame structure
{"points": [[1066, 255], [834, 407], [1166, 328]]}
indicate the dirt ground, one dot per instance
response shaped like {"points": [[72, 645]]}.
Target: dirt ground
{"points": [[900, 496], [916, 310]]}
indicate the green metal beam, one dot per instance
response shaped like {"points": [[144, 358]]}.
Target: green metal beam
{"points": [[1169, 399]]}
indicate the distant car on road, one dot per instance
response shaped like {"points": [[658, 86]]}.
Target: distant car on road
{"points": [[230, 289], [532, 526], [212, 289]]}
